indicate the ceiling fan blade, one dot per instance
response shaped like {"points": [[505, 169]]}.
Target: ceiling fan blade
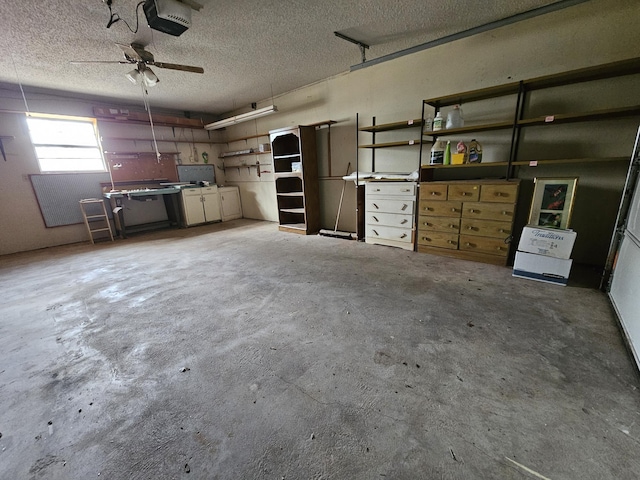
{"points": [[80, 62], [174, 66], [129, 52]]}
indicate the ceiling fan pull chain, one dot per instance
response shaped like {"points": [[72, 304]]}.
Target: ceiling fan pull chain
{"points": [[147, 106]]}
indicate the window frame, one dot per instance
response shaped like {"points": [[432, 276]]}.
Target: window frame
{"points": [[63, 145]]}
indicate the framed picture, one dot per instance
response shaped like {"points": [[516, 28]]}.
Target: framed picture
{"points": [[552, 202]]}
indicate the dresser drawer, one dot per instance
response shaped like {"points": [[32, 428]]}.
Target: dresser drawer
{"points": [[191, 192], [390, 219], [492, 246], [485, 228], [488, 211], [438, 239], [389, 233], [390, 206], [430, 191], [438, 224], [500, 193], [440, 209], [466, 192], [391, 188]]}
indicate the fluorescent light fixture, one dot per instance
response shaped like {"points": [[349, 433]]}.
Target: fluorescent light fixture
{"points": [[243, 117]]}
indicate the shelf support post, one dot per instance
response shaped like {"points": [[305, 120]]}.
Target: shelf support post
{"points": [[515, 131]]}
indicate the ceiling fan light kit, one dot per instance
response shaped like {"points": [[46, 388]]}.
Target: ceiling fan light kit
{"points": [[243, 117]]}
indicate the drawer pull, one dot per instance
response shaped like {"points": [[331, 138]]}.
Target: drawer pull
{"points": [[470, 228], [406, 190], [376, 206], [426, 239], [453, 209], [430, 209], [471, 210], [468, 244], [404, 235], [451, 225], [434, 193], [501, 230], [377, 190], [404, 206], [427, 224], [464, 194], [504, 212], [375, 218], [451, 242], [499, 194], [373, 230], [499, 249], [404, 221]]}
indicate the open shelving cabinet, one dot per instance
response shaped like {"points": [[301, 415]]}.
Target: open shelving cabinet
{"points": [[520, 92], [296, 177]]}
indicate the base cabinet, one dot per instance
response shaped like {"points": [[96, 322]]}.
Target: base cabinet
{"points": [[230, 206], [201, 205], [389, 213], [471, 220]]}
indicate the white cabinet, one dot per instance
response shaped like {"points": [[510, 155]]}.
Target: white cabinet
{"points": [[389, 213], [201, 205], [230, 205]]}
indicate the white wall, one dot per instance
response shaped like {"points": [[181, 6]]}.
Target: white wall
{"points": [[21, 225], [588, 34]]}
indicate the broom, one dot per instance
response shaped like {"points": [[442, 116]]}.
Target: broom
{"points": [[335, 233]]}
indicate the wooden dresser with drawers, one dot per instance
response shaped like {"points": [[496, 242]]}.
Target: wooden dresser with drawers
{"points": [[468, 219]]}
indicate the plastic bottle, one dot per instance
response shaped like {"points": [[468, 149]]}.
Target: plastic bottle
{"points": [[447, 154], [475, 151], [438, 122], [454, 118], [437, 153]]}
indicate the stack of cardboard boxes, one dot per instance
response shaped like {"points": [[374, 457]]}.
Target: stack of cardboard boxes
{"points": [[544, 254]]}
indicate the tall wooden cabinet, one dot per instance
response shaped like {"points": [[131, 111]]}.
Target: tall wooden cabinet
{"points": [[296, 175]]}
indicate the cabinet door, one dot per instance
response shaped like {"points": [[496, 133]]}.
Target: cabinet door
{"points": [[211, 204], [193, 211], [230, 204]]}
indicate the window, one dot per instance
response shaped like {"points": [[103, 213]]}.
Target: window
{"points": [[66, 144]]}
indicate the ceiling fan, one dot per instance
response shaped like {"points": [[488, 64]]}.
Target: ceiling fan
{"points": [[135, 54]]}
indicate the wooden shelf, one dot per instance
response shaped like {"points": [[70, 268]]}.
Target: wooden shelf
{"points": [[470, 129], [403, 143], [244, 154], [581, 117], [293, 227], [475, 95], [599, 72], [623, 67], [258, 135], [290, 194], [291, 155], [387, 127], [288, 174], [293, 210], [466, 165], [528, 163]]}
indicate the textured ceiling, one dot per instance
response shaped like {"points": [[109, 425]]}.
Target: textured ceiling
{"points": [[249, 49]]}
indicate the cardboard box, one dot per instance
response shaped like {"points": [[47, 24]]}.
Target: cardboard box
{"points": [[542, 268], [552, 242]]}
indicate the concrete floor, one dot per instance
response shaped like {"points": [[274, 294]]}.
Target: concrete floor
{"points": [[234, 351]]}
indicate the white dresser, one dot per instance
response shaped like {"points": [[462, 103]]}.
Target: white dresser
{"points": [[389, 213]]}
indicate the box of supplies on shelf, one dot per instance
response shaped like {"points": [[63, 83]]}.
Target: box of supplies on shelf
{"points": [[552, 242]]}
